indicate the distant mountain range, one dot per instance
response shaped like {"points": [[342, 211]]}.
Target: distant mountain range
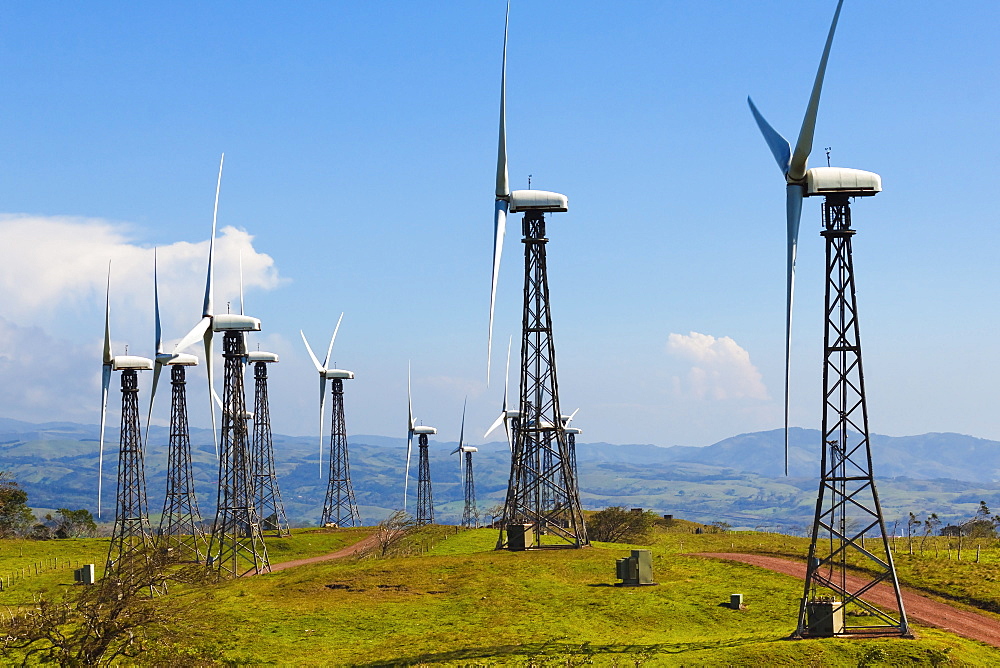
{"points": [[739, 480]]}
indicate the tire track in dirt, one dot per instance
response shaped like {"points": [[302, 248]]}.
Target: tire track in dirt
{"points": [[919, 608], [360, 546]]}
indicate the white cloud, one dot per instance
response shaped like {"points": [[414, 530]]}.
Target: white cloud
{"points": [[719, 368]]}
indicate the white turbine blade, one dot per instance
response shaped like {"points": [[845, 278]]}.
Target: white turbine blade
{"points": [[506, 376], [409, 401], [107, 321], [406, 476], [499, 421], [793, 212], [503, 182], [780, 148], [157, 368], [197, 332], [499, 230], [322, 408], [333, 338], [209, 309], [105, 384], [458, 449], [209, 370], [461, 434], [571, 416], [241, 282], [319, 367], [156, 306], [803, 146], [510, 444]]}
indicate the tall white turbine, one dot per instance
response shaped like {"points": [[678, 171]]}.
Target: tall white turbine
{"points": [[793, 166], [422, 433], [325, 374], [210, 321]]}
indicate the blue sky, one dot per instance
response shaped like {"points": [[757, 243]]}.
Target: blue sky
{"points": [[360, 143]]}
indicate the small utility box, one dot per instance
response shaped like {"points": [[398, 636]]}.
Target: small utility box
{"points": [[635, 571], [825, 618], [520, 536], [736, 601], [84, 575]]}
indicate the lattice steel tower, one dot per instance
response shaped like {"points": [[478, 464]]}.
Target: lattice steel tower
{"points": [[180, 526], [340, 508], [425, 499], [267, 497], [470, 513], [847, 507], [237, 544], [542, 491], [131, 539]]}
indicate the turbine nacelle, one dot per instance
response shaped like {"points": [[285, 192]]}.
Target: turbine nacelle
{"points": [[123, 362], [230, 322], [537, 200], [573, 430], [261, 356], [424, 430], [331, 374], [843, 180], [176, 359]]}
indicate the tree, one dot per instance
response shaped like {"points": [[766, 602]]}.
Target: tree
{"points": [[617, 524], [16, 517], [72, 523], [393, 529], [911, 523], [930, 526], [983, 524]]}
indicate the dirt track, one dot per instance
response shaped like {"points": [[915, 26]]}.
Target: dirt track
{"points": [[362, 544], [919, 608]]}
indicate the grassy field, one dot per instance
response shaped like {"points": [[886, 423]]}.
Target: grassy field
{"points": [[456, 601]]}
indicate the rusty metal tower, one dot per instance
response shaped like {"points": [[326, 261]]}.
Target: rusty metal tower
{"points": [[180, 529], [425, 499], [847, 507], [237, 544], [267, 497]]}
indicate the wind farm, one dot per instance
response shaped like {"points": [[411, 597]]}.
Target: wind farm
{"points": [[354, 171]]}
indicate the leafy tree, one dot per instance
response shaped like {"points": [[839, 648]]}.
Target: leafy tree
{"points": [[72, 523], [911, 523], [617, 524], [16, 517], [983, 524], [930, 526]]}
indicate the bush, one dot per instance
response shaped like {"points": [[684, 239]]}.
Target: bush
{"points": [[617, 524]]}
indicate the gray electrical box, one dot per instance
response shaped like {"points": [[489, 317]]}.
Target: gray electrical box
{"points": [[84, 575], [520, 536], [636, 570], [825, 617]]}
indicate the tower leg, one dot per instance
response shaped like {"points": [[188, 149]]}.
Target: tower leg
{"points": [[542, 493], [237, 545], [340, 507], [847, 506]]}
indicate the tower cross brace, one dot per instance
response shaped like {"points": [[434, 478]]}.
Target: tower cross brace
{"points": [[542, 491], [340, 507], [847, 506]]}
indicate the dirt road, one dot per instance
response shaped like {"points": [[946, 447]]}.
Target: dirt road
{"points": [[362, 544], [919, 608]]}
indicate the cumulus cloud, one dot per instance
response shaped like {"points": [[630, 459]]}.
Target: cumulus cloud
{"points": [[53, 269], [719, 368]]}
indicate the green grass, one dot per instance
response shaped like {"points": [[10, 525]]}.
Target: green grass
{"points": [[456, 601]]}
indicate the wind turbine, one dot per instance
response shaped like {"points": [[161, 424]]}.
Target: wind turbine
{"points": [[212, 322], [847, 506], [180, 523], [470, 513], [131, 537], [340, 507], [425, 500], [539, 500]]}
